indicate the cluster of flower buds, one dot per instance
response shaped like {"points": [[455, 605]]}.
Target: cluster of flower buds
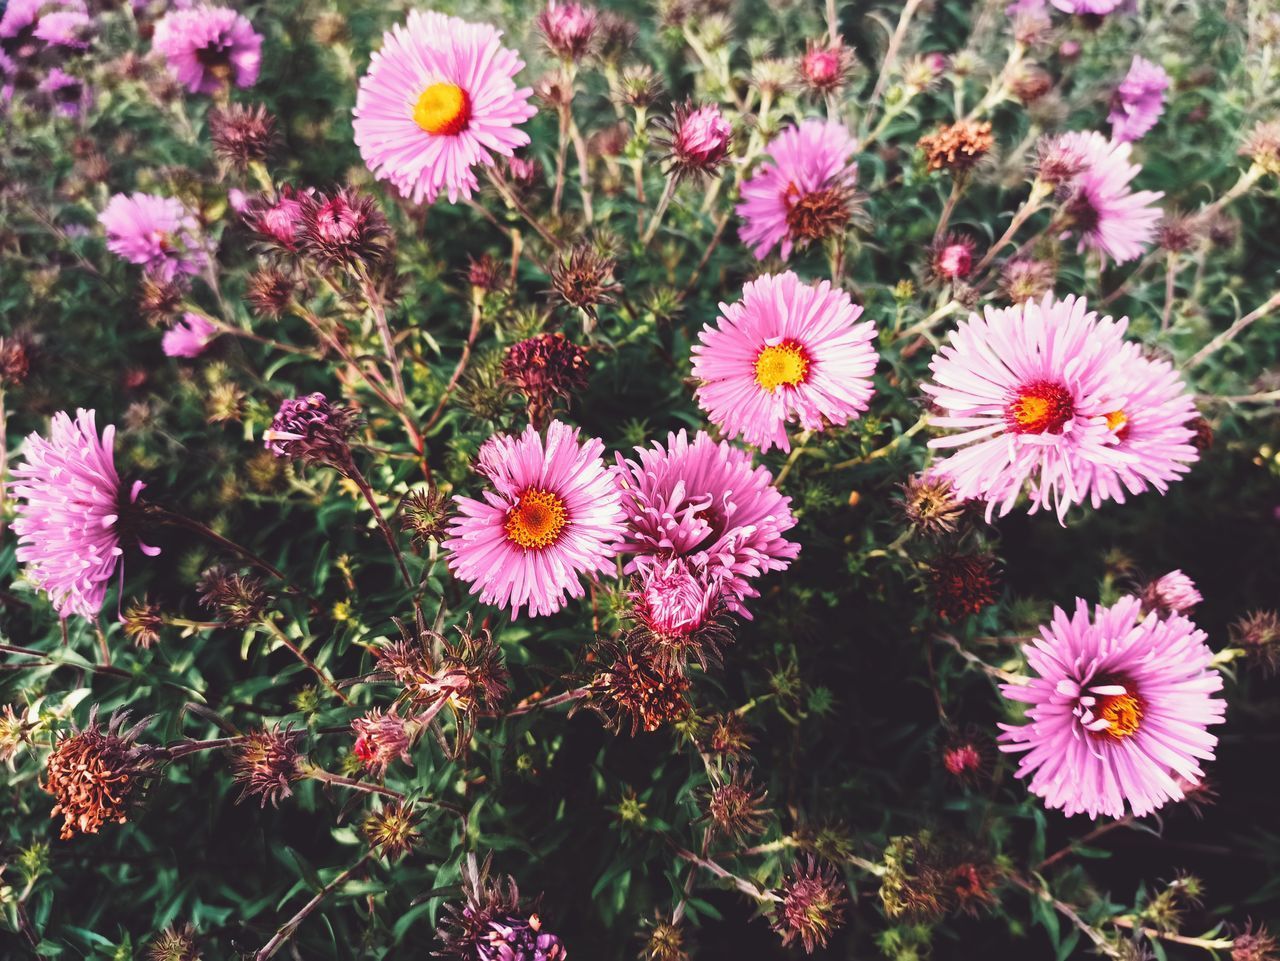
{"points": [[493, 924]]}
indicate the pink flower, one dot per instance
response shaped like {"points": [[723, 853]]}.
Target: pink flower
{"points": [[568, 28], [1106, 215], [553, 515], [439, 98], [69, 94], [381, 738], [279, 219], [803, 192], [1118, 710], [1174, 593], [1139, 100], [698, 139], [787, 351], [156, 232], [209, 47], [1153, 440], [953, 257], [1028, 388], [189, 336], [69, 501], [65, 28], [674, 599], [1095, 7], [706, 503], [825, 66]]}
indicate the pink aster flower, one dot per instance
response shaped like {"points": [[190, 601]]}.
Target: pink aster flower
{"points": [[1095, 7], [673, 598], [1028, 389], [952, 257], [1151, 429], [697, 139], [156, 232], [804, 190], [189, 336], [1173, 593], [65, 28], [208, 48], [568, 28], [69, 501], [706, 503], [69, 94], [18, 25], [279, 219], [787, 351], [1139, 100], [381, 738], [1105, 213], [1118, 710], [439, 98], [552, 515]]}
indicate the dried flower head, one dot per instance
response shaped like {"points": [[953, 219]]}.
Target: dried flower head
{"points": [[423, 515], [265, 763], [825, 66], [345, 229], [813, 905], [484, 274], [635, 689], [1031, 83], [735, 807], [159, 300], [392, 829], [662, 941], [1258, 634], [1022, 279], [915, 884], [492, 924], [174, 944], [543, 368], [142, 622], [1262, 146], [13, 734], [314, 430], [1254, 943], [93, 774], [930, 504], [584, 278], [269, 292], [957, 146], [241, 134], [1176, 233], [15, 360], [615, 36], [639, 86], [236, 598], [726, 734], [381, 738], [963, 584]]}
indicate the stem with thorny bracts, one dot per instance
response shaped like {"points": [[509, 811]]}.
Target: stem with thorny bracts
{"points": [[352, 471], [287, 929], [743, 885], [663, 202], [522, 209], [973, 659], [1068, 912], [1207, 351], [297, 652], [534, 704], [1039, 191], [374, 299], [1091, 836], [891, 52], [1209, 944], [472, 335]]}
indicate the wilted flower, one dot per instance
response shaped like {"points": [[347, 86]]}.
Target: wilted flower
{"points": [[423, 514], [616, 36], [543, 368], [813, 905], [663, 941], [492, 924], [1262, 146], [278, 219], [957, 146], [1022, 279], [189, 336], [584, 278], [965, 755], [142, 622], [269, 292], [208, 48], [726, 734], [238, 599], [159, 299], [265, 763], [825, 66], [963, 585], [174, 944], [1031, 83], [392, 829], [381, 737], [13, 734], [1258, 635], [242, 135], [93, 774], [15, 360], [69, 506], [484, 274], [1173, 593], [634, 689], [735, 807], [1176, 233], [568, 28], [697, 139], [312, 429], [344, 230]]}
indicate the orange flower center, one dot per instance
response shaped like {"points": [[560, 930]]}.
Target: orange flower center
{"points": [[1123, 712], [782, 364], [1042, 407], [1118, 423], [443, 109], [537, 520]]}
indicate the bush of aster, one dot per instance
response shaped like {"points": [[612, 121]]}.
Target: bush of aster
{"points": [[666, 478]]}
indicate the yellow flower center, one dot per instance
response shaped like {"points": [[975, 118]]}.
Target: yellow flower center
{"points": [[537, 520], [1123, 712], [443, 109], [782, 364]]}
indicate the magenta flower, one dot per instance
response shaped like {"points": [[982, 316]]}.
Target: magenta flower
{"points": [[69, 94], [70, 28], [804, 190], [208, 48], [1095, 7], [439, 98], [953, 257], [1151, 427], [698, 139], [1106, 215], [673, 598], [18, 25], [706, 503], [1028, 388], [552, 515], [69, 502], [1139, 100], [156, 232], [189, 336], [1172, 593], [279, 219], [1118, 710], [787, 351], [568, 28]]}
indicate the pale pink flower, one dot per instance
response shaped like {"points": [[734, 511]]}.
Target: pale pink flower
{"points": [[1172, 593], [189, 336], [156, 232], [1139, 100], [208, 48], [787, 351], [673, 598], [1102, 211], [1118, 710]]}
